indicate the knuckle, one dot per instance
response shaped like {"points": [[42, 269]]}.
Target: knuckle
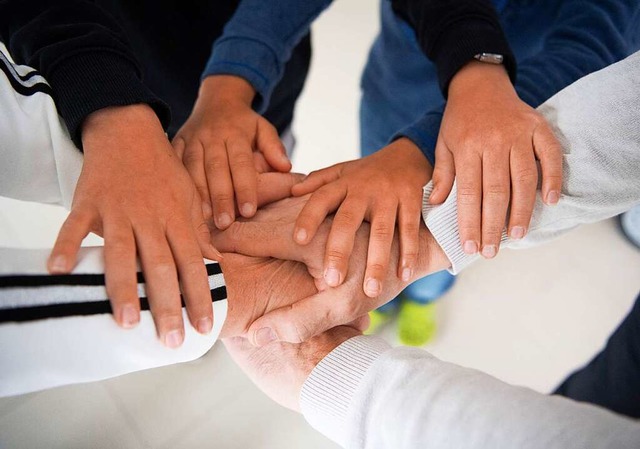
{"points": [[163, 268], [376, 268], [336, 255], [194, 266], [222, 197], [497, 191], [527, 177], [381, 231], [467, 195]]}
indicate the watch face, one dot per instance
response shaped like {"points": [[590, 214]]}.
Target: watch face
{"points": [[491, 58]]}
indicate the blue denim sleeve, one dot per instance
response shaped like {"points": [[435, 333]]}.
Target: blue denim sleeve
{"points": [[259, 39], [424, 133], [588, 36]]}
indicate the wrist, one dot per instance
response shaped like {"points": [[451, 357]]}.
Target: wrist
{"points": [[116, 120], [478, 75], [431, 257], [237, 313], [226, 89]]}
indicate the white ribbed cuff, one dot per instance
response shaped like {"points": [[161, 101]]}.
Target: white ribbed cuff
{"points": [[442, 222], [326, 395]]}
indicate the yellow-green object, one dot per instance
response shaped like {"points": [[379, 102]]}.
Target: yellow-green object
{"points": [[416, 323], [377, 320]]}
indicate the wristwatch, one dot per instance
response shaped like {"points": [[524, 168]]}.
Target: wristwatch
{"points": [[490, 58]]}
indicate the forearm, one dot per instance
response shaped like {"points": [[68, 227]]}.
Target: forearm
{"points": [[258, 41], [600, 138], [407, 398], [450, 34], [58, 330], [89, 66]]}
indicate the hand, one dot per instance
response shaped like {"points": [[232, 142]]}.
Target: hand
{"points": [[280, 369], [489, 140], [268, 234], [380, 188], [217, 142], [137, 194]]}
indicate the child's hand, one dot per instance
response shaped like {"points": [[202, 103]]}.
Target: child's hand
{"points": [[489, 141], [217, 145], [378, 188]]}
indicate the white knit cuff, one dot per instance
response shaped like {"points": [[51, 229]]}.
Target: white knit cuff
{"points": [[326, 395], [442, 222]]}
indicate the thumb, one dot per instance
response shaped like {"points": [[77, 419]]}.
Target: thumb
{"points": [[276, 186], [309, 317], [268, 143], [444, 174], [258, 239]]}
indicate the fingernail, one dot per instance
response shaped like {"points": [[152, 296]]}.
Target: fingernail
{"points": [[372, 287], [470, 247], [489, 251], [284, 157], [517, 232], [553, 197], [265, 336], [301, 236], [58, 264], [173, 339], [129, 317], [406, 274], [332, 276], [206, 210], [224, 220], [248, 209], [204, 325]]}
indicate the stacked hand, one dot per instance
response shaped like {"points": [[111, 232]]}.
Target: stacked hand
{"points": [[136, 194], [489, 141], [383, 189], [268, 234], [224, 144]]}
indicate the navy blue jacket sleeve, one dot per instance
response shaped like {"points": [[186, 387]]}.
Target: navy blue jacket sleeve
{"points": [[258, 41], [588, 36]]}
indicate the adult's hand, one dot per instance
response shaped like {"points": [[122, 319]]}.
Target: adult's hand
{"points": [[280, 369], [489, 141], [269, 233], [217, 145], [136, 193]]}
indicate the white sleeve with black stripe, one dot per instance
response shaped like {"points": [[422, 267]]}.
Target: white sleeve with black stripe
{"points": [[58, 330]]}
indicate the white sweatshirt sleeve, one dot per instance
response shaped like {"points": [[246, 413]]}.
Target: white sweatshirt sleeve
{"points": [[597, 121], [58, 330], [406, 398]]}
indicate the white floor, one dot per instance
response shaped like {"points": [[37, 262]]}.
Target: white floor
{"points": [[527, 317]]}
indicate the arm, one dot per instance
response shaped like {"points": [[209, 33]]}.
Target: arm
{"points": [[132, 189], [600, 138], [364, 394], [58, 330], [83, 54], [490, 134], [361, 393]]}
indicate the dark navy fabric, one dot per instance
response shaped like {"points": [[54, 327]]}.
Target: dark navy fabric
{"points": [[612, 378]]}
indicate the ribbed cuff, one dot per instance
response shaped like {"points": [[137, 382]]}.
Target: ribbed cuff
{"points": [[424, 133], [249, 59], [89, 81], [327, 393], [442, 222], [461, 42]]}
